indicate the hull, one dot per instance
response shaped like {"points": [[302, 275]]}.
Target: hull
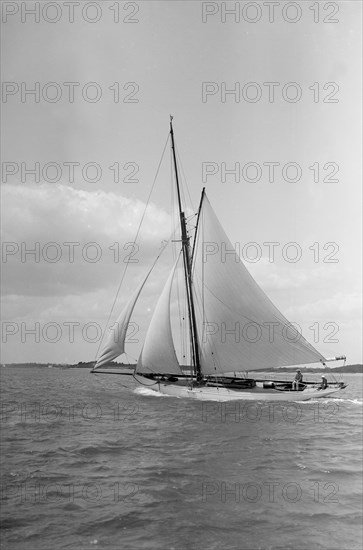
{"points": [[220, 394]]}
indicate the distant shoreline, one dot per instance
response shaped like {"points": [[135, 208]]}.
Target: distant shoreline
{"points": [[353, 369]]}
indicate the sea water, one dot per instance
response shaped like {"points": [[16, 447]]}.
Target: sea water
{"points": [[97, 461]]}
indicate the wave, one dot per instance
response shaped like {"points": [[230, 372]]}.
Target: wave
{"points": [[102, 448], [354, 401], [115, 523], [330, 399], [148, 391]]}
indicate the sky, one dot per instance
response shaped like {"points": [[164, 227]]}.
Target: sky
{"points": [[267, 116]]}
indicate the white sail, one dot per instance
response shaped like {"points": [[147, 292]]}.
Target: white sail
{"points": [[158, 353], [239, 327], [115, 343]]}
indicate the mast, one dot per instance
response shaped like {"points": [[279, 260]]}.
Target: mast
{"points": [[197, 224], [187, 268]]}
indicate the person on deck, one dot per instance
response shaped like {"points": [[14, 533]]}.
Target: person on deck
{"points": [[324, 382], [298, 380]]}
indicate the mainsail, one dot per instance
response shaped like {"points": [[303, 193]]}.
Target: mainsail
{"points": [[115, 342], [239, 327], [158, 353]]}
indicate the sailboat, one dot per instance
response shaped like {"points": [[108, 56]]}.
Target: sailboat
{"points": [[234, 329]]}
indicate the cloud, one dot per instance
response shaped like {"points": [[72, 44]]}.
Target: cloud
{"points": [[81, 240], [75, 291]]}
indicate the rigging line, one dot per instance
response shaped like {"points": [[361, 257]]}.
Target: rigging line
{"points": [[174, 270], [187, 264], [199, 289], [203, 275], [172, 199], [184, 178], [162, 248], [197, 233], [180, 315], [147, 385], [199, 295], [164, 245], [128, 358], [135, 240], [178, 286]]}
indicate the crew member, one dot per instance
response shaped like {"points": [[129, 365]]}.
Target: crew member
{"points": [[298, 380]]}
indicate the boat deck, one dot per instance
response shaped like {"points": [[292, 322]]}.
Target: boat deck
{"points": [[214, 391]]}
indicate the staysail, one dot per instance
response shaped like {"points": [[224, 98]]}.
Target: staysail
{"points": [[158, 353], [115, 343], [239, 327]]}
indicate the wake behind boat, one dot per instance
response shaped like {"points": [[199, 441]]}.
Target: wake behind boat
{"points": [[232, 325]]}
